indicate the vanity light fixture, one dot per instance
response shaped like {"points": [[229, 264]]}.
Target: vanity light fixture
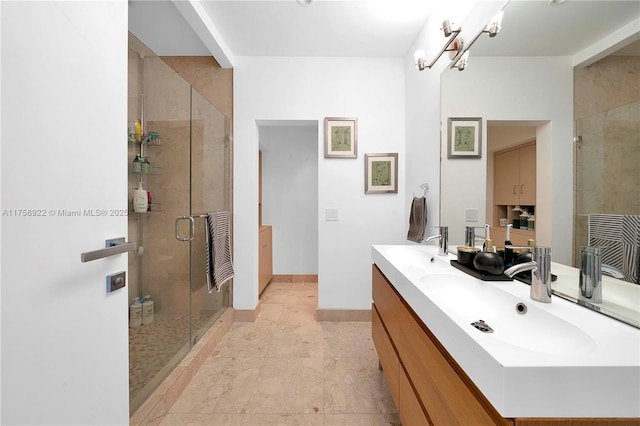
{"points": [[462, 62], [452, 35], [304, 2], [446, 28], [495, 25], [493, 28]]}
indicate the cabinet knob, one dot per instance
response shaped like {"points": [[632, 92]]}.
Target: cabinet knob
{"points": [[515, 189], [522, 189]]}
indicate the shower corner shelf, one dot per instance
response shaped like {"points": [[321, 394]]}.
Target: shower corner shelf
{"points": [[146, 141], [154, 208], [155, 171]]}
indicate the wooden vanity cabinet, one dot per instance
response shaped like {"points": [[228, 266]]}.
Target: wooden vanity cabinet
{"points": [[427, 385], [409, 408]]}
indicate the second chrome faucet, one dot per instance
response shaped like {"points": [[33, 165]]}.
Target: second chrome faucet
{"points": [[540, 267], [443, 240]]}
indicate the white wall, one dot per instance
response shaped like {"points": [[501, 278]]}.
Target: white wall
{"points": [[280, 88], [290, 195], [64, 97], [422, 122], [521, 89]]}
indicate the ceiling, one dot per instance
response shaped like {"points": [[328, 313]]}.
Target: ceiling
{"points": [[370, 28]]}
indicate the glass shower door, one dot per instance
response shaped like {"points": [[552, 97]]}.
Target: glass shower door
{"points": [[210, 192], [161, 267]]}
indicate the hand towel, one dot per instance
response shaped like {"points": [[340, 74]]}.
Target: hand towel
{"points": [[417, 219], [219, 264], [619, 237]]}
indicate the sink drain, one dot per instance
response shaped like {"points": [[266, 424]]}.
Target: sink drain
{"points": [[521, 308], [482, 326]]}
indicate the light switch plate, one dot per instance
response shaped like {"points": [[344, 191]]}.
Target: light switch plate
{"points": [[116, 281], [471, 215], [331, 214]]}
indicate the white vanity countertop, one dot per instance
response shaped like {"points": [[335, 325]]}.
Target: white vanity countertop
{"points": [[557, 360]]}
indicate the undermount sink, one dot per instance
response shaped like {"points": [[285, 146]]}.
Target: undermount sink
{"points": [[415, 261], [514, 322]]}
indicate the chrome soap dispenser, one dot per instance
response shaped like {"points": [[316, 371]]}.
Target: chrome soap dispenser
{"points": [[590, 274]]}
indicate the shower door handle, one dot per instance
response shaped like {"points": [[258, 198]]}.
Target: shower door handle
{"points": [[192, 228]]}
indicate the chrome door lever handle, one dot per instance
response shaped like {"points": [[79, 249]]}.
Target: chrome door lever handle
{"points": [[113, 246]]}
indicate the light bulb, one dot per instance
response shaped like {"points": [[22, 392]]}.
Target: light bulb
{"points": [[419, 59]]}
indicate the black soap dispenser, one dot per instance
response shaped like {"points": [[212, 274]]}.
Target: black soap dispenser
{"points": [[488, 260]]}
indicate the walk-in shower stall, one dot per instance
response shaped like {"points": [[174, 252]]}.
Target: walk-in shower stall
{"points": [[183, 144]]}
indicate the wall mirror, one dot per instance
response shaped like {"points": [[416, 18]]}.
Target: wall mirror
{"points": [[557, 47]]}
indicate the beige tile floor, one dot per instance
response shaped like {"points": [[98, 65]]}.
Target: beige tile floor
{"points": [[288, 369]]}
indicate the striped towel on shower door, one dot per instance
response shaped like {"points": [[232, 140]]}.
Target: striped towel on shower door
{"points": [[619, 237], [219, 264]]}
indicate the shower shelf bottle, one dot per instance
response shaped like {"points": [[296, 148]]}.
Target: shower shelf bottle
{"points": [[135, 314], [140, 199], [147, 310]]}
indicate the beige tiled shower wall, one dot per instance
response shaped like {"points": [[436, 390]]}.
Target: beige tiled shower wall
{"points": [[610, 83], [606, 110], [208, 78]]}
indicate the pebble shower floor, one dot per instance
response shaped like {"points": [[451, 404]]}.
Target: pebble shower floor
{"points": [[153, 345]]}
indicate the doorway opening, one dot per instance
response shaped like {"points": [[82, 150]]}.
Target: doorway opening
{"points": [[289, 197]]}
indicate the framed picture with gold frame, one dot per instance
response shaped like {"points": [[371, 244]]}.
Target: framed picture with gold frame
{"points": [[464, 138], [340, 137], [381, 173]]}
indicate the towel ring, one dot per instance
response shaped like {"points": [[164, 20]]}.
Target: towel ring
{"points": [[425, 188]]}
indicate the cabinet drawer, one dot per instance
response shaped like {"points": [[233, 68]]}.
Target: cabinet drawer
{"points": [[410, 410], [387, 303], [386, 354], [443, 393]]}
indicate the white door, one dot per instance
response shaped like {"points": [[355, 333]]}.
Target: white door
{"points": [[64, 191]]}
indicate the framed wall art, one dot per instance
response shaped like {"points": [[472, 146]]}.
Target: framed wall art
{"points": [[464, 138], [340, 137], [381, 173]]}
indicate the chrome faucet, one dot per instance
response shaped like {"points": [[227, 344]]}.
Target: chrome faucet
{"points": [[612, 271], [590, 274], [470, 235], [540, 268], [443, 240]]}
